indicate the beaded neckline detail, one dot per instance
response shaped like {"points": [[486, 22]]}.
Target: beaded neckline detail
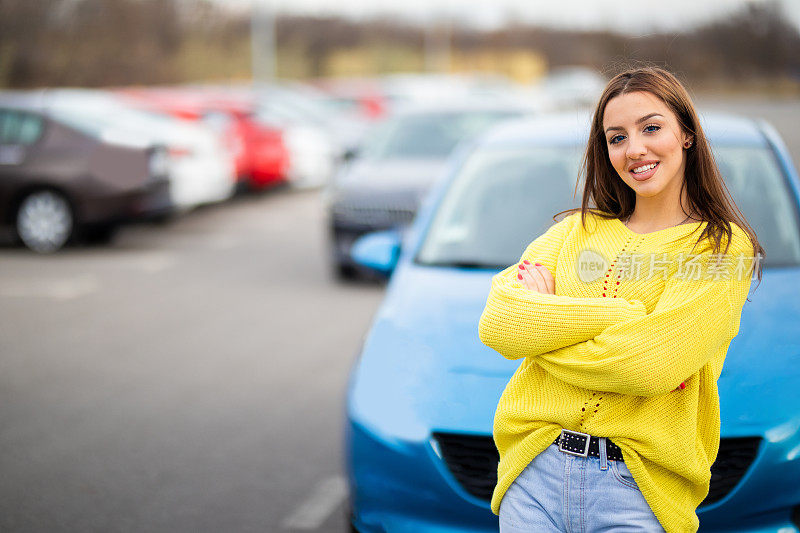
{"points": [[664, 231]]}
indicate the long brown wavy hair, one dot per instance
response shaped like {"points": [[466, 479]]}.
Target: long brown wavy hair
{"points": [[706, 191]]}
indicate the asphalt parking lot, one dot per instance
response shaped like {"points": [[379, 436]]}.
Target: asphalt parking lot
{"points": [[189, 377]]}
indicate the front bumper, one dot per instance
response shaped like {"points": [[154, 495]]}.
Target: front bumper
{"points": [[400, 485], [151, 200], [404, 486], [348, 223], [341, 241]]}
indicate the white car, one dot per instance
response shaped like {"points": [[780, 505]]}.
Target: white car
{"points": [[201, 168], [313, 151]]}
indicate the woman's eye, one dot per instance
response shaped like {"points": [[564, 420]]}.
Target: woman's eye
{"points": [[613, 139], [647, 128]]}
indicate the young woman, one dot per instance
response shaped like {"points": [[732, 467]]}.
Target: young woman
{"points": [[621, 315]]}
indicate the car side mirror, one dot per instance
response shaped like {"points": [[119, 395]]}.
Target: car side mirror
{"points": [[378, 250]]}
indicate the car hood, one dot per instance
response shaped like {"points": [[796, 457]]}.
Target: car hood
{"points": [[760, 382], [365, 176], [423, 367]]}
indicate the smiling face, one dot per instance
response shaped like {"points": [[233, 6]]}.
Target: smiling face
{"points": [[643, 134]]}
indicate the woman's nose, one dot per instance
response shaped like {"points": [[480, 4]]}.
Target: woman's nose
{"points": [[636, 148]]}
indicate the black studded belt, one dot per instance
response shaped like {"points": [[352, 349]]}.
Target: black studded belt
{"points": [[585, 445]]}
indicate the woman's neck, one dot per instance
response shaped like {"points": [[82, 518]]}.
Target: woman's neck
{"points": [[645, 219]]}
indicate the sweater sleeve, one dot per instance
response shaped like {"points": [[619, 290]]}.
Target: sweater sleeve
{"points": [[650, 355], [518, 322]]}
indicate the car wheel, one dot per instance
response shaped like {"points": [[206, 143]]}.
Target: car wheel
{"points": [[44, 221]]}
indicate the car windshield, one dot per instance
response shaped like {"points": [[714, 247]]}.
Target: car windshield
{"points": [[428, 135], [503, 198]]}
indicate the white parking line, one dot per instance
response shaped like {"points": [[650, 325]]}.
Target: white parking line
{"points": [[313, 512], [58, 289]]}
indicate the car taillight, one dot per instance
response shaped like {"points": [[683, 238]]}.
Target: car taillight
{"points": [[179, 151]]}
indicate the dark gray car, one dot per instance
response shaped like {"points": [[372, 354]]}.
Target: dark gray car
{"points": [[382, 186], [57, 181]]}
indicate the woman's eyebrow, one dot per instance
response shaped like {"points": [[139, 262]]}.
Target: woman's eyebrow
{"points": [[651, 115]]}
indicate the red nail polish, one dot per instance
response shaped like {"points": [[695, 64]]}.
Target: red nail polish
{"points": [[527, 262], [538, 265], [683, 386], [519, 276], [521, 267]]}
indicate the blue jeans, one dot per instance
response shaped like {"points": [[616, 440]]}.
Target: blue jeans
{"points": [[564, 493]]}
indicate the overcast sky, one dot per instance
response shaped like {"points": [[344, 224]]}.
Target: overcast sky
{"points": [[630, 16]]}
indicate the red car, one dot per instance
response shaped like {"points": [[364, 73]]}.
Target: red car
{"points": [[262, 158]]}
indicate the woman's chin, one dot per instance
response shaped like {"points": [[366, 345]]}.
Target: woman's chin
{"points": [[645, 188]]}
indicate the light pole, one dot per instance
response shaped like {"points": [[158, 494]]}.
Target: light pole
{"points": [[437, 43], [262, 41]]}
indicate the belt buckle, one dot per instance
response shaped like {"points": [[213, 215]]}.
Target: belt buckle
{"points": [[585, 452]]}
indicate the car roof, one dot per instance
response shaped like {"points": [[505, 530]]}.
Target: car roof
{"points": [[572, 127], [41, 100], [23, 100]]}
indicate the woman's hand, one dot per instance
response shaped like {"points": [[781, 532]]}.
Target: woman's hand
{"points": [[536, 277]]}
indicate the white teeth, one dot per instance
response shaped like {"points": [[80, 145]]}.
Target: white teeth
{"points": [[645, 168]]}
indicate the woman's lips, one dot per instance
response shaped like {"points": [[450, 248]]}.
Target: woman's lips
{"points": [[644, 175]]}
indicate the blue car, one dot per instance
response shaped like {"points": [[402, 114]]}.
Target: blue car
{"points": [[422, 394]]}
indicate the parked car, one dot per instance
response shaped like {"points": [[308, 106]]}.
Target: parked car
{"points": [[262, 157], [345, 128], [432, 88], [59, 180], [570, 87], [423, 391], [313, 148], [201, 170], [382, 187]]}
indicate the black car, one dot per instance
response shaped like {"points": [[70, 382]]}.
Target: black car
{"points": [[382, 185], [58, 180]]}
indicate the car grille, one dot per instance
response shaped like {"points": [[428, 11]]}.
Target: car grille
{"points": [[734, 458], [472, 459], [382, 216]]}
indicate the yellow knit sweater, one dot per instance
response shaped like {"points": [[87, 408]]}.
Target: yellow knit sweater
{"points": [[633, 316]]}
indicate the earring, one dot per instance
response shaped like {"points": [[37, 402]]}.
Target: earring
{"points": [[687, 144]]}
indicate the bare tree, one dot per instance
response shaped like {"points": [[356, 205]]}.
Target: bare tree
{"points": [[113, 42]]}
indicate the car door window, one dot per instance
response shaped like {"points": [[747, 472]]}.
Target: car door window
{"points": [[19, 128], [30, 129]]}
